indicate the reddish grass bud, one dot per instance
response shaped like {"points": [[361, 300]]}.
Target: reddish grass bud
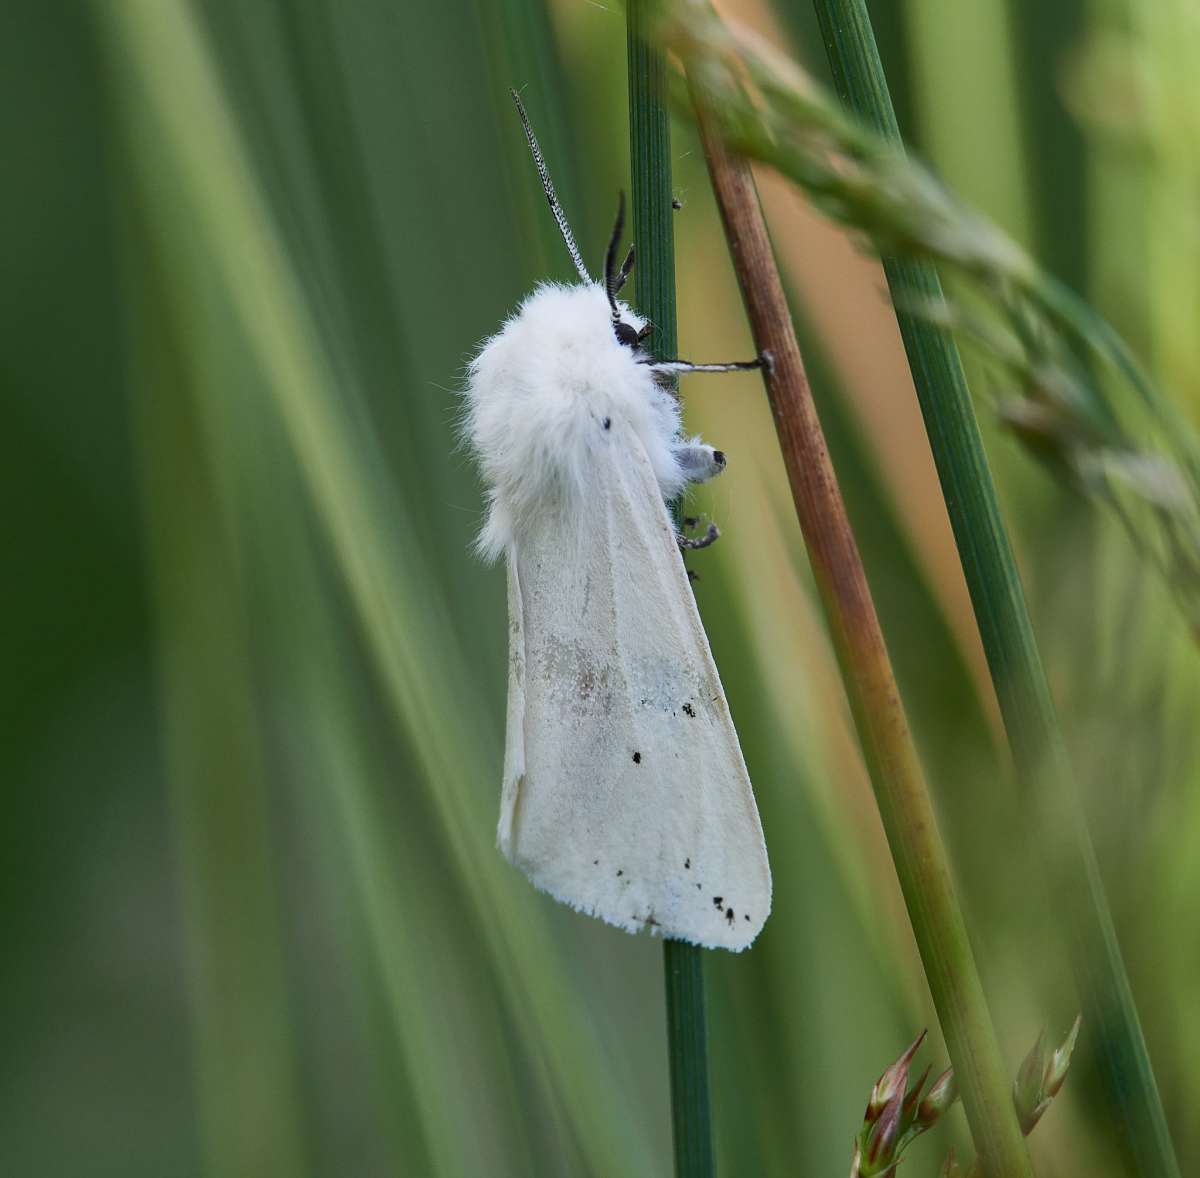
{"points": [[880, 1149], [911, 1100], [893, 1081], [938, 1099], [896, 1115]]}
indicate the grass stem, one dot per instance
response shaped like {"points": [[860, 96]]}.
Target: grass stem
{"points": [[896, 774], [654, 294], [1007, 634]]}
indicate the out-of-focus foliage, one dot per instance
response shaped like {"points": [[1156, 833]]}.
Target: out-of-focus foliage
{"points": [[253, 915], [1067, 385]]}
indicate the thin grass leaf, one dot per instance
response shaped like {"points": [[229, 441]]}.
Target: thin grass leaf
{"points": [[861, 177], [249, 1103], [654, 297], [770, 110], [904, 803], [177, 104]]}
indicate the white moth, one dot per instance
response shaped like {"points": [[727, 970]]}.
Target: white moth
{"points": [[625, 793]]}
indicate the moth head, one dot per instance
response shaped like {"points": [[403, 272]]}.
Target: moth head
{"points": [[629, 335], [626, 333]]}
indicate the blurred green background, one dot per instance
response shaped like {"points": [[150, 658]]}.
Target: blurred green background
{"points": [[253, 918]]}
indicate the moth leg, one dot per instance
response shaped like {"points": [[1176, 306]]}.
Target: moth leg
{"points": [[669, 367], [711, 535]]}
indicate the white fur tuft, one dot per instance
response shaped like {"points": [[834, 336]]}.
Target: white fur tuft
{"points": [[539, 393]]}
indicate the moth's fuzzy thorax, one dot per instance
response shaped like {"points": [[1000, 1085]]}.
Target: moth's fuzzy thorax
{"points": [[539, 394]]}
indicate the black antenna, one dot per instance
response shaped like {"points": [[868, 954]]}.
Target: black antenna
{"points": [[610, 260], [548, 188], [626, 267]]}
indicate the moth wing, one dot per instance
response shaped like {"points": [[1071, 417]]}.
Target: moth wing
{"points": [[514, 741], [625, 795]]}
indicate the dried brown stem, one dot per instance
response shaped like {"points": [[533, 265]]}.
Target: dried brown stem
{"points": [[901, 792]]}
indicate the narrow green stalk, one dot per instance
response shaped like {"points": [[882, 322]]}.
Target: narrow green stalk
{"points": [[250, 1118], [1007, 635], [687, 1046], [650, 169], [195, 170], [654, 294]]}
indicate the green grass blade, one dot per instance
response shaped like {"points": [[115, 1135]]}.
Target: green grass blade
{"points": [[426, 676], [246, 1066], [901, 791], [654, 295], [1005, 628]]}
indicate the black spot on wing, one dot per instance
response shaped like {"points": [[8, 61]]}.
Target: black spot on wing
{"points": [[637, 758]]}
